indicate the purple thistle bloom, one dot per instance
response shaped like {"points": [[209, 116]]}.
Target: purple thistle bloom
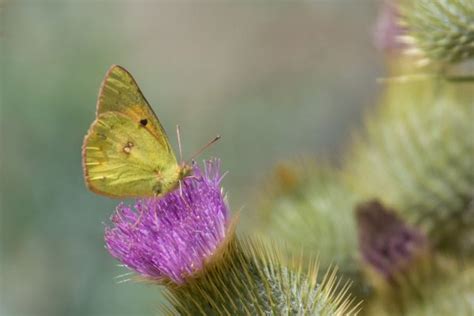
{"points": [[171, 237], [387, 243]]}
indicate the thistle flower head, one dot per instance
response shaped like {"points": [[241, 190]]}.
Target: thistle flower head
{"points": [[441, 30], [170, 238], [387, 244]]}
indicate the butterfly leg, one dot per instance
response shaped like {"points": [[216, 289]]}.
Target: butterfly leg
{"points": [[158, 189], [138, 219], [182, 196]]}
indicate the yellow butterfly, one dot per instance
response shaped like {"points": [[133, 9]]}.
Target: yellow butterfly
{"points": [[126, 152]]}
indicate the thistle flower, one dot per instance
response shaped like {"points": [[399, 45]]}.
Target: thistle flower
{"points": [[170, 238], [441, 30], [415, 156], [387, 244]]}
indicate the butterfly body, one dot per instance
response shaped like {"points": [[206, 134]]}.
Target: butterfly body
{"points": [[126, 152]]}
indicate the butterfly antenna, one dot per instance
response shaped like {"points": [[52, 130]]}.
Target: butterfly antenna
{"points": [[205, 147], [179, 143]]}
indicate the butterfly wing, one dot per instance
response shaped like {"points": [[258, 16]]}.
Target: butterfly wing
{"points": [[123, 159], [119, 92], [126, 152]]}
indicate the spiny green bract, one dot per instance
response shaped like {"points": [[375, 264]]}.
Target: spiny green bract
{"points": [[443, 30], [307, 206], [417, 156], [440, 292], [250, 278]]}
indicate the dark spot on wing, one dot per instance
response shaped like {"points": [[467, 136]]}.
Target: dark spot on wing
{"points": [[143, 122]]}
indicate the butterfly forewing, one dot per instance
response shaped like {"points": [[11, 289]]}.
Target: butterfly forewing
{"points": [[120, 93]]}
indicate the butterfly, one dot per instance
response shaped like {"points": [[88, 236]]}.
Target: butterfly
{"points": [[126, 152]]}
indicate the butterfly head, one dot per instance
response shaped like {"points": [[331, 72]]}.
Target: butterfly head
{"points": [[171, 179], [185, 170]]}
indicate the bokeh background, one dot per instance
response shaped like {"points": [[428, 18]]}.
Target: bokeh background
{"points": [[276, 80]]}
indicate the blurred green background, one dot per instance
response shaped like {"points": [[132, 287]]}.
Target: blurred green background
{"points": [[275, 79]]}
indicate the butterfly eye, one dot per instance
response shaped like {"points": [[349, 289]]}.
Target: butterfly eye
{"points": [[143, 122]]}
